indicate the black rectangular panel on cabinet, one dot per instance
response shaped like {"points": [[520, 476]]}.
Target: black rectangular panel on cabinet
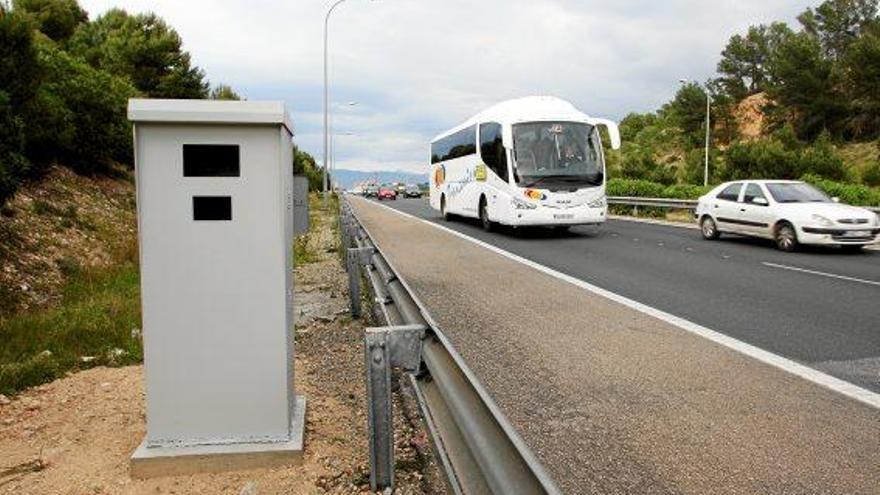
{"points": [[212, 208], [211, 160]]}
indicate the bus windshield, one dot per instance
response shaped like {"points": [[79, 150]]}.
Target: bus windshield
{"points": [[554, 153]]}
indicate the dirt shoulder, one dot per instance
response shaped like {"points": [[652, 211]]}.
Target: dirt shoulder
{"points": [[75, 435]]}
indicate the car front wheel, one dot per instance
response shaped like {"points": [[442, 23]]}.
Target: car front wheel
{"points": [[786, 238], [709, 229]]}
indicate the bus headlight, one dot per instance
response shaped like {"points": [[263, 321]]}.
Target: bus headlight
{"points": [[597, 203], [522, 205]]}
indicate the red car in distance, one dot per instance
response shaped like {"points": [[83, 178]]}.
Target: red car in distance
{"points": [[386, 192]]}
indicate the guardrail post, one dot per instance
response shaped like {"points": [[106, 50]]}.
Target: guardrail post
{"points": [[351, 232], [355, 258], [386, 348], [379, 412]]}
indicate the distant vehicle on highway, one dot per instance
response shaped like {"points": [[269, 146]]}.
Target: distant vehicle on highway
{"points": [[788, 212], [530, 161], [412, 191], [399, 188], [386, 192], [371, 191]]}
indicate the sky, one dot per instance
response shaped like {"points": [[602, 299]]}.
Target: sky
{"points": [[415, 68]]}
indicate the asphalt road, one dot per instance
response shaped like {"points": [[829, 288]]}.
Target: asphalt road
{"points": [[744, 288], [611, 399]]}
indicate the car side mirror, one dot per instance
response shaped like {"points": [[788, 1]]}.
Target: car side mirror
{"points": [[835, 199], [760, 201]]}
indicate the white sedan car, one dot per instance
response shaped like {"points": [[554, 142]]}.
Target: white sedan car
{"points": [[788, 212]]}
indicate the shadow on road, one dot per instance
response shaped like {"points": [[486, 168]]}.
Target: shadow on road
{"points": [[803, 249]]}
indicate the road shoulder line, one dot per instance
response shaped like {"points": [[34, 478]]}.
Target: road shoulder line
{"points": [[805, 372]]}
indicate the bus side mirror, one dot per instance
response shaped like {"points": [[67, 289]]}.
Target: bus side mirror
{"points": [[613, 131]]}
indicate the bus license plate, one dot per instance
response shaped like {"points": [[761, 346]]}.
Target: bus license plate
{"points": [[563, 216]]}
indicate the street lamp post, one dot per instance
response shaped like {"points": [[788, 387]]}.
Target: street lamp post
{"points": [[708, 122], [706, 167], [332, 151], [327, 99]]}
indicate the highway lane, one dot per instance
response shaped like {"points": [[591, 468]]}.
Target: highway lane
{"points": [[819, 307], [613, 400]]}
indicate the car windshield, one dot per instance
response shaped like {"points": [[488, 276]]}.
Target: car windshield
{"points": [[796, 192], [557, 153]]}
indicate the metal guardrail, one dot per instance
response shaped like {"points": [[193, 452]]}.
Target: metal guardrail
{"points": [[477, 448], [684, 204]]}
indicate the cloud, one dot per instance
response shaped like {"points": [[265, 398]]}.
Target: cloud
{"points": [[420, 67]]}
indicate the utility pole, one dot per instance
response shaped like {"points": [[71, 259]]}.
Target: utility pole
{"points": [[708, 127], [708, 122], [327, 102]]}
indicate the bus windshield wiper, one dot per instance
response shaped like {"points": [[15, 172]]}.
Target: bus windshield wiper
{"points": [[548, 177]]}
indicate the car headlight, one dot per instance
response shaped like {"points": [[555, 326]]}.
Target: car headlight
{"points": [[597, 203], [522, 205], [823, 221]]}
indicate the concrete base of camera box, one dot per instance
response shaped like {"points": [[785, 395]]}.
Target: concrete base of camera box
{"points": [[151, 462]]}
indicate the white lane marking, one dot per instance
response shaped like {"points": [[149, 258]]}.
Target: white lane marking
{"points": [[812, 375], [823, 274]]}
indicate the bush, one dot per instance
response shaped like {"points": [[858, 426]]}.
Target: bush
{"points": [[634, 188], [304, 164], [821, 159], [695, 166], [637, 165], [763, 159], [782, 157], [685, 191], [78, 116], [871, 174]]}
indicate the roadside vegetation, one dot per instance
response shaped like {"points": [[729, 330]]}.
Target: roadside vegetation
{"points": [[789, 102], [69, 278], [69, 293], [96, 324]]}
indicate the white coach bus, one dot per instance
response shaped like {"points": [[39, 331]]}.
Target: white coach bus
{"points": [[524, 162]]}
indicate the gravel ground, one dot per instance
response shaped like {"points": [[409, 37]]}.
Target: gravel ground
{"points": [[75, 435]]}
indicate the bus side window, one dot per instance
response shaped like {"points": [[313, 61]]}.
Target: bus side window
{"points": [[492, 149]]}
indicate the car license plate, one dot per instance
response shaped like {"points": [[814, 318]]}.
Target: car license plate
{"points": [[563, 216], [857, 233]]}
